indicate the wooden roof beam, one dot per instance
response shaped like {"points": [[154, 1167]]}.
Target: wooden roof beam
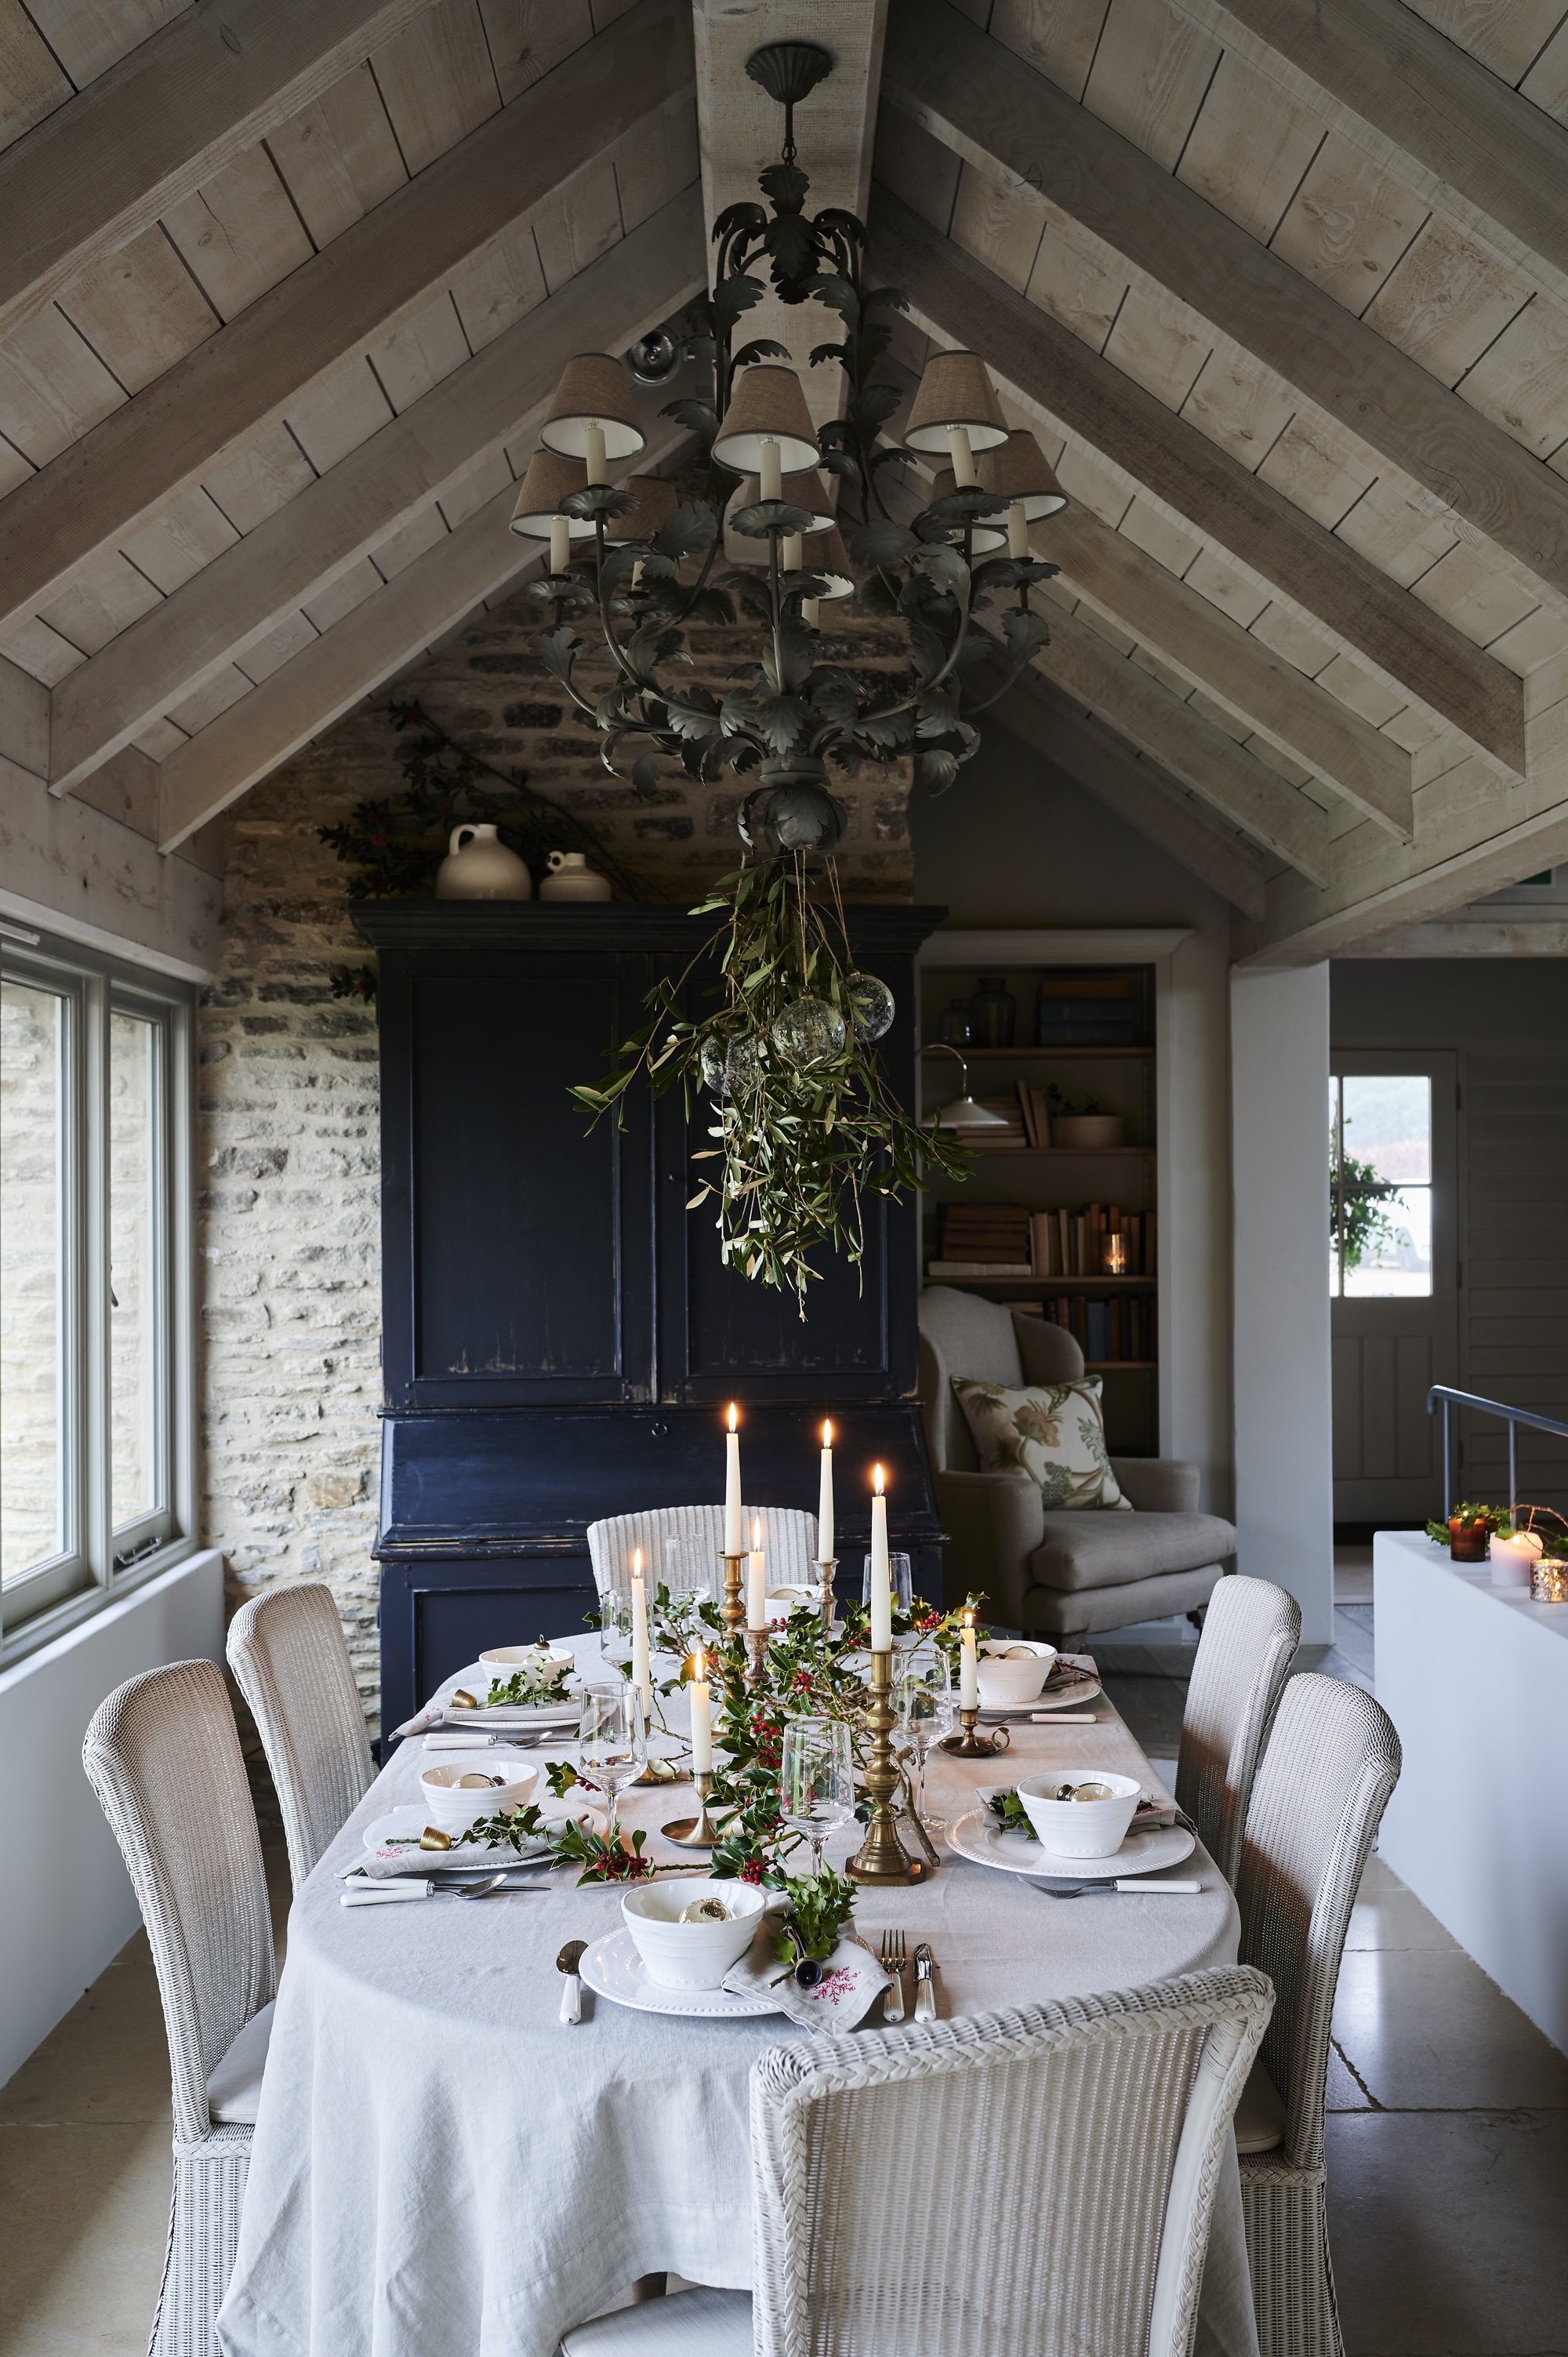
{"points": [[164, 118], [350, 295], [1057, 377], [254, 585], [988, 106]]}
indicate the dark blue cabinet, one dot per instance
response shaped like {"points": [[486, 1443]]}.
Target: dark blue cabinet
{"points": [[559, 1335]]}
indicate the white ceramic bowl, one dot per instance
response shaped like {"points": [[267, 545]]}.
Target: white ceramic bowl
{"points": [[451, 1810], [1004, 1682], [502, 1660], [690, 1955], [1080, 1828]]}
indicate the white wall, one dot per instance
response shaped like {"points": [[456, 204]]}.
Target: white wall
{"points": [[1283, 1422], [72, 1904]]}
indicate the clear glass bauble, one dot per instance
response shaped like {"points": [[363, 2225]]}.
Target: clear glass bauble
{"points": [[728, 1065], [809, 1032], [872, 1006], [714, 1059]]}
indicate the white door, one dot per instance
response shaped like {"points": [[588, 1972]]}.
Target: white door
{"points": [[1394, 1246]]}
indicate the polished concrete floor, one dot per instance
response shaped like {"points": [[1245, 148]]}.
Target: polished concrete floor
{"points": [[1447, 2128]]}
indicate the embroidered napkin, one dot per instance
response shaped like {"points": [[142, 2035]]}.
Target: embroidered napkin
{"points": [[852, 1980], [469, 1857]]}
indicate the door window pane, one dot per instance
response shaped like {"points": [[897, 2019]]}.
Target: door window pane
{"points": [[1381, 1185], [33, 1301], [134, 1271]]}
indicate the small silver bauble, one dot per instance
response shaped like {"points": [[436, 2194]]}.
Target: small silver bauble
{"points": [[809, 1032], [872, 1006]]}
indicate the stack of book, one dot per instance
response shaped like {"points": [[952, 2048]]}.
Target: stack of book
{"points": [[1015, 1137], [982, 1240]]}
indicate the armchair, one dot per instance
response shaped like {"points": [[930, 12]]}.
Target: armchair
{"points": [[1067, 1575]]}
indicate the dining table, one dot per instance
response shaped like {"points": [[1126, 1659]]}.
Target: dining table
{"points": [[440, 2163]]}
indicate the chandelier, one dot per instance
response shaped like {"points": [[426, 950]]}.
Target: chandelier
{"points": [[626, 554]]}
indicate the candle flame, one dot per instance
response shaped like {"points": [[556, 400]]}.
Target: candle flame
{"points": [[827, 1432], [876, 1480], [637, 1563], [969, 1620], [756, 1534], [734, 1415], [699, 1667]]}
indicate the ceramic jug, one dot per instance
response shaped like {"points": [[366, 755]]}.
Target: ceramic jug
{"points": [[572, 879], [478, 867]]}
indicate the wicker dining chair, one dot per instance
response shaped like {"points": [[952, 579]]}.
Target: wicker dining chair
{"points": [[788, 1534], [1250, 1632], [1332, 1761], [1039, 2179], [287, 1654], [162, 1756]]}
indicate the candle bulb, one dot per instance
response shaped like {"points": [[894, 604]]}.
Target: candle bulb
{"points": [[809, 612], [756, 1581], [790, 552], [770, 483], [594, 452], [642, 1671], [962, 459], [734, 1521], [702, 1717], [881, 1589], [969, 1669], [1017, 533], [825, 1499], [559, 545]]}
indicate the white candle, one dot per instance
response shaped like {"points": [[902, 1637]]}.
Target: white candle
{"points": [[594, 452], [1514, 1559], [808, 610], [756, 1580], [969, 1670], [1017, 532], [559, 545], [881, 1587], [641, 1673], [771, 482], [701, 1720], [962, 459], [735, 1522], [825, 1499], [790, 552]]}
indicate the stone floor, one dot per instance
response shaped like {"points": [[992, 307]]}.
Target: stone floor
{"points": [[1447, 2127]]}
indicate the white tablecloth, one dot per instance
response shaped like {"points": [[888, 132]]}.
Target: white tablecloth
{"points": [[439, 2165]]}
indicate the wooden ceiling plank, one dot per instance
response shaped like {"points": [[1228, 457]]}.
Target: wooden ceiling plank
{"points": [[528, 37], [370, 494], [1053, 373], [1417, 103], [977, 98], [437, 80], [140, 309], [170, 115], [339, 158], [197, 416], [31, 82], [89, 35], [350, 661]]}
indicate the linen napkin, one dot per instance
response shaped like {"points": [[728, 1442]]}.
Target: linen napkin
{"points": [[468, 1858], [852, 1979], [560, 1716]]}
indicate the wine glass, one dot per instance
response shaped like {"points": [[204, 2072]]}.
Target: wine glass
{"points": [[615, 1624], [924, 1703], [816, 1781], [612, 1741], [899, 1581]]}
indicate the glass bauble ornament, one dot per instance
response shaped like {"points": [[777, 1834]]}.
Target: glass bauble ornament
{"points": [[743, 1066], [809, 1032], [714, 1059], [872, 1006]]}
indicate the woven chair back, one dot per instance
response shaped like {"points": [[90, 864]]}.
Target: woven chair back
{"points": [[287, 1653], [665, 1534], [1250, 1632]]}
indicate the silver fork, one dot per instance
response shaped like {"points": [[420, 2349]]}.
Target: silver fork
{"points": [[893, 1962]]}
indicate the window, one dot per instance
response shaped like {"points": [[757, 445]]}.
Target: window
{"points": [[95, 1461], [1380, 1185]]}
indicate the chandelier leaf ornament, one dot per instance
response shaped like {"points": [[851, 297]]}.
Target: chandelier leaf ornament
{"points": [[806, 1125]]}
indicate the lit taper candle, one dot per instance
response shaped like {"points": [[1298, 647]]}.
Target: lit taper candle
{"points": [[825, 1497], [734, 1521], [881, 1589], [968, 1669], [757, 1579], [702, 1718], [641, 1671]]}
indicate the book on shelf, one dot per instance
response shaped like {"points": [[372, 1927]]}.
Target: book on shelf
{"points": [[1112, 1331], [1064, 1243], [938, 1269]]}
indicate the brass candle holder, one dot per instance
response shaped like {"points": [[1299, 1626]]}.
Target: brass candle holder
{"points": [[732, 1611], [756, 1647], [699, 1832], [970, 1746], [826, 1566], [882, 1856]]}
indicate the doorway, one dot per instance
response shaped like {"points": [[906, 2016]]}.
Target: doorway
{"points": [[1393, 1278]]}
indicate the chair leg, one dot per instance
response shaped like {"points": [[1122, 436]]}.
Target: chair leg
{"points": [[1293, 2277], [204, 2232]]}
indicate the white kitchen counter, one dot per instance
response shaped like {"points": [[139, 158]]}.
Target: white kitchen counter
{"points": [[1475, 1680]]}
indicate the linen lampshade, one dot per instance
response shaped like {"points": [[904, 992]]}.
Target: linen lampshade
{"points": [[1017, 470], [824, 553], [984, 533], [955, 391], [767, 405], [593, 391], [548, 481], [656, 503]]}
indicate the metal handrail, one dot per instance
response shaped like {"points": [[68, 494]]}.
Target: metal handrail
{"points": [[1512, 1417]]}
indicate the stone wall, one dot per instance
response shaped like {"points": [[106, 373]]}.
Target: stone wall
{"points": [[289, 1212]]}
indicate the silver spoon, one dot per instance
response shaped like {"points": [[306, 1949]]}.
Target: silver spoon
{"points": [[567, 1962]]}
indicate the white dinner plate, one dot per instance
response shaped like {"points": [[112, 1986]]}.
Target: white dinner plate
{"points": [[1065, 1698], [399, 1825], [613, 1968], [978, 1837]]}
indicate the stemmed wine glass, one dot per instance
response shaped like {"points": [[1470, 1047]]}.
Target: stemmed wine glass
{"points": [[612, 1740], [615, 1625], [925, 1714], [816, 1781]]}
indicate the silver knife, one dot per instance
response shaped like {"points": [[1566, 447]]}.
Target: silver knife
{"points": [[925, 1987]]}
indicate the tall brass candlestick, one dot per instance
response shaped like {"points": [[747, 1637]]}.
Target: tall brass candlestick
{"points": [[826, 1566], [733, 1610], [882, 1856]]}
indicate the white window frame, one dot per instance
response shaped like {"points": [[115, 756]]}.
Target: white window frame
{"points": [[97, 1563]]}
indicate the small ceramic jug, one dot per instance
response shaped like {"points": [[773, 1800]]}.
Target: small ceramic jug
{"points": [[478, 867], [572, 879]]}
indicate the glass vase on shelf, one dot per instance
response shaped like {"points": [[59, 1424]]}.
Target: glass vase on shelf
{"points": [[954, 1028], [992, 1013]]}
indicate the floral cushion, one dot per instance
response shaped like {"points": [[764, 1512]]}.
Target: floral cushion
{"points": [[1052, 1434]]}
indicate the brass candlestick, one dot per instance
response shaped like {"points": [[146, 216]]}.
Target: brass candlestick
{"points": [[699, 1832], [826, 1566], [733, 1611], [882, 1856], [756, 1646], [970, 1746]]}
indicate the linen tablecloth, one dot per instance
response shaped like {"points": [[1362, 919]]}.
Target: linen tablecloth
{"points": [[440, 2165]]}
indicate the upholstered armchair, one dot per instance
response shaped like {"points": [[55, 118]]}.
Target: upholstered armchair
{"points": [[1066, 1575]]}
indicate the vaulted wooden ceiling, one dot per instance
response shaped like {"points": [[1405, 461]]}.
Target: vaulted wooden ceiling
{"points": [[1281, 285]]}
